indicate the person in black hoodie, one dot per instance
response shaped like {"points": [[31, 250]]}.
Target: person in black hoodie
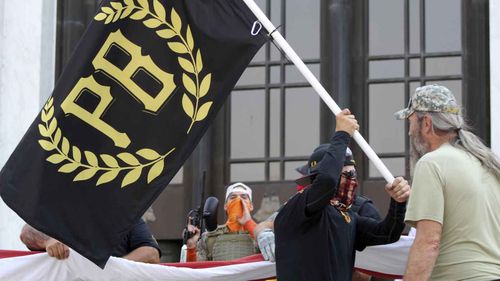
{"points": [[316, 235]]}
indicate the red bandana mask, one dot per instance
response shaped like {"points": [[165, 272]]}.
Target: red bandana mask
{"points": [[346, 193]]}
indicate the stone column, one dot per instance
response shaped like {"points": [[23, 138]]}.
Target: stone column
{"points": [[27, 51]]}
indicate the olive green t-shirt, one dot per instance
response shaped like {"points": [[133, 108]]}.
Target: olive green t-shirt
{"points": [[452, 188]]}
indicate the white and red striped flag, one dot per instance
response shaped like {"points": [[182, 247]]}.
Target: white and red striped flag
{"points": [[385, 261]]}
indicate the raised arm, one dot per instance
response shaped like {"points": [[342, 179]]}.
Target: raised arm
{"points": [[324, 185]]}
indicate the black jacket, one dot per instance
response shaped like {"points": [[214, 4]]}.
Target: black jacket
{"points": [[314, 240]]}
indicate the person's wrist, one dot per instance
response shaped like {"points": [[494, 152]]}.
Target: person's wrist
{"points": [[342, 132], [49, 242], [250, 226], [267, 229], [347, 132], [264, 230]]}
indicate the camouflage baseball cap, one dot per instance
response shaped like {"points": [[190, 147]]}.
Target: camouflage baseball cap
{"points": [[430, 98]]}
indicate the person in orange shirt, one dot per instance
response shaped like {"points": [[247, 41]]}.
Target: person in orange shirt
{"points": [[232, 240]]}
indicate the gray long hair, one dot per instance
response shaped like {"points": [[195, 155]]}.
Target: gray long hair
{"points": [[466, 140]]}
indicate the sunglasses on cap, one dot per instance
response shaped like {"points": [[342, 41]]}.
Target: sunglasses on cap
{"points": [[350, 174]]}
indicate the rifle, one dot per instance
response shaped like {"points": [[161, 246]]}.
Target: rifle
{"points": [[206, 212]]}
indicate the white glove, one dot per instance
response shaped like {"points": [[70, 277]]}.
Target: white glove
{"points": [[265, 239]]}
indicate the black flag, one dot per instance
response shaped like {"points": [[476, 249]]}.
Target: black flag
{"points": [[141, 89]]}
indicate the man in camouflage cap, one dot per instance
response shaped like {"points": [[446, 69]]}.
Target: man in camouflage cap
{"points": [[430, 98], [455, 199]]}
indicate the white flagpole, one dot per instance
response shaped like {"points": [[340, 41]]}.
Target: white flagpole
{"points": [[268, 25]]}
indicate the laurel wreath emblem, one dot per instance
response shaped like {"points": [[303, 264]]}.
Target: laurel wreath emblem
{"points": [[109, 166], [156, 19]]}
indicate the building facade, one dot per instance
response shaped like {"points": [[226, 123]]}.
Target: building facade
{"points": [[369, 55]]}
